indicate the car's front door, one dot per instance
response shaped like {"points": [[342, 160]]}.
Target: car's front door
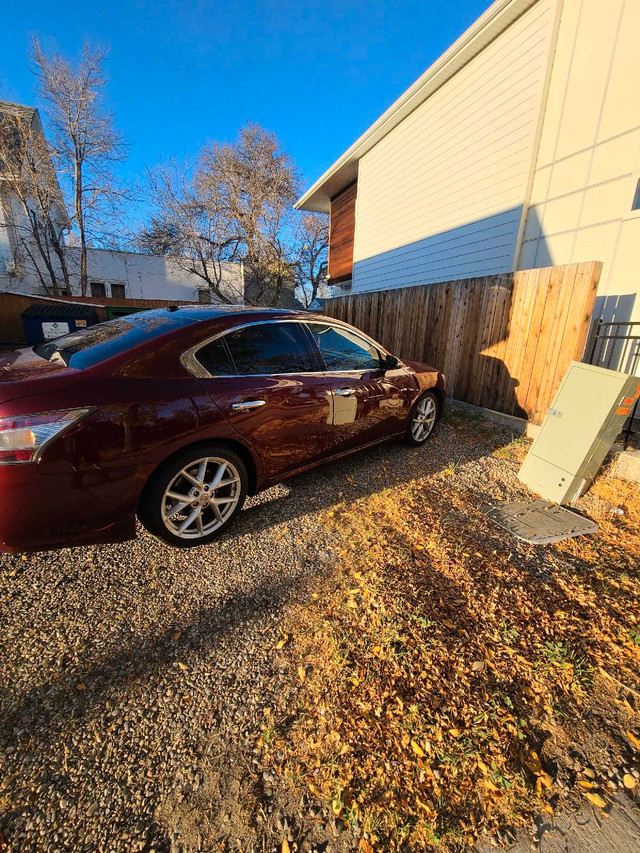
{"points": [[264, 378], [370, 403]]}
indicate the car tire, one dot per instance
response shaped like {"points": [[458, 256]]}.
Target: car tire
{"points": [[418, 429], [212, 479]]}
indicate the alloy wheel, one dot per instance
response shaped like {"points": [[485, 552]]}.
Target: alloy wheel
{"points": [[424, 418], [201, 497]]}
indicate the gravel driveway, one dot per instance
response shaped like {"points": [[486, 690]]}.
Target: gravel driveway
{"points": [[131, 674], [135, 679]]}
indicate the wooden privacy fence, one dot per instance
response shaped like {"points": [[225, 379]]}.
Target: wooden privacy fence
{"points": [[503, 341]]}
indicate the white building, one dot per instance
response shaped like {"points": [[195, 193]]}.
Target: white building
{"points": [[112, 274], [518, 148]]}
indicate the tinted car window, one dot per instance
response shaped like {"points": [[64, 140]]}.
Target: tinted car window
{"points": [[215, 358], [269, 348], [342, 350], [88, 347]]}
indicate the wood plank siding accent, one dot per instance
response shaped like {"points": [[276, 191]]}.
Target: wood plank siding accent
{"points": [[441, 196], [342, 222], [504, 342]]}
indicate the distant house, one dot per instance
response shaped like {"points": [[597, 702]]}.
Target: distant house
{"points": [[518, 148], [316, 304], [112, 274]]}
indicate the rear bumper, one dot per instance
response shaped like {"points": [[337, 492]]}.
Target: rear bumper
{"points": [[39, 511]]}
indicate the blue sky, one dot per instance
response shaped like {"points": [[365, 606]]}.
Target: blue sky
{"points": [[317, 72]]}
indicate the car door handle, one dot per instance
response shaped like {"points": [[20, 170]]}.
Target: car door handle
{"points": [[344, 392], [248, 405]]}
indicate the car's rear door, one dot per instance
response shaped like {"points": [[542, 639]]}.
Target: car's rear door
{"points": [[265, 378], [370, 403]]}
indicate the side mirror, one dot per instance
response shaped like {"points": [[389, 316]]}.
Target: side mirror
{"points": [[391, 362]]}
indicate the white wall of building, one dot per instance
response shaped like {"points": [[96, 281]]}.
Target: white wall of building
{"points": [[441, 195], [588, 162], [6, 253], [152, 277], [143, 276]]}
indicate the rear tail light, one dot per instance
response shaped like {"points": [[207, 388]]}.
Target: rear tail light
{"points": [[23, 438]]}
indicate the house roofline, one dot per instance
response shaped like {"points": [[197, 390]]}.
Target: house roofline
{"points": [[344, 171]]}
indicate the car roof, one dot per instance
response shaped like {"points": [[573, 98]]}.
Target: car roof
{"points": [[210, 312]]}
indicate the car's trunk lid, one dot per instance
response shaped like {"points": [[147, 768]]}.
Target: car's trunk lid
{"points": [[23, 373]]}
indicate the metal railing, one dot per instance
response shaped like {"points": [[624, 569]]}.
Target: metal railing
{"points": [[611, 347]]}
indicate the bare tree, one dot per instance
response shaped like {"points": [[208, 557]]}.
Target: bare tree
{"points": [[191, 231], [235, 205], [84, 141], [310, 256], [31, 198], [253, 183]]}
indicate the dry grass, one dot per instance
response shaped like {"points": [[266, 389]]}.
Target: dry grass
{"points": [[451, 678]]}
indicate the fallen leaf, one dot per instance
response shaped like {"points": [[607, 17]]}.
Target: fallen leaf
{"points": [[584, 783], [533, 763], [285, 847], [634, 740], [596, 799], [182, 666], [415, 746], [489, 784], [628, 781], [477, 665], [546, 780], [282, 643], [81, 687], [177, 635], [302, 673]]}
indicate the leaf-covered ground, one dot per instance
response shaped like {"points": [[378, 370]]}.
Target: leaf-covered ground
{"points": [[449, 681]]}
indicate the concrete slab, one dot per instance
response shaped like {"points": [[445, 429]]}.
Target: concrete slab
{"points": [[585, 832], [519, 425], [625, 464]]}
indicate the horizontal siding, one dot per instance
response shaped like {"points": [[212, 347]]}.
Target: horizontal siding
{"points": [[441, 195]]}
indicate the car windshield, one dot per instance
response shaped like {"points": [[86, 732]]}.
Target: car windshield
{"points": [[88, 347]]}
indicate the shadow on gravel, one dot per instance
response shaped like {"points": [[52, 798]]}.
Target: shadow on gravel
{"points": [[348, 479], [355, 477], [38, 719], [36, 716]]}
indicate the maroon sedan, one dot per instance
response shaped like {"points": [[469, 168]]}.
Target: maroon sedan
{"points": [[176, 415]]}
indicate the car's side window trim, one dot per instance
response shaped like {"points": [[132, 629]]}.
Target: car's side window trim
{"points": [[355, 334], [189, 358]]}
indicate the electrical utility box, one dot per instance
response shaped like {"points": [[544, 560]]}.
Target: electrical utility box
{"points": [[584, 420]]}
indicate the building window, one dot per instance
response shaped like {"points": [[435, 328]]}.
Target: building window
{"points": [[117, 291], [204, 296], [636, 198], [98, 289]]}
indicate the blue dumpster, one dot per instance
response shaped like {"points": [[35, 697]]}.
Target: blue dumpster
{"points": [[46, 321]]}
